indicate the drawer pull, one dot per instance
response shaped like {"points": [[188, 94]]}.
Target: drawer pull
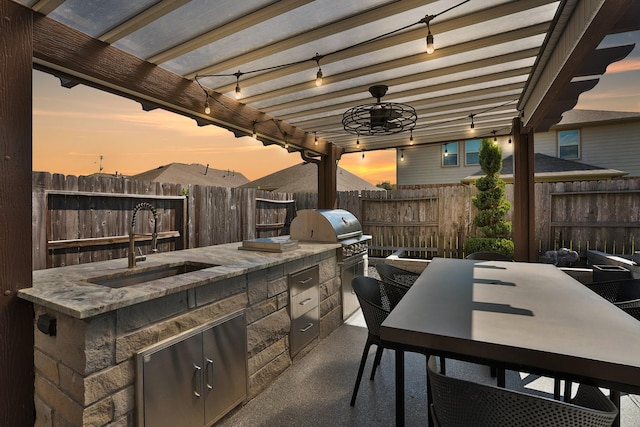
{"points": [[307, 280], [305, 302], [306, 328]]}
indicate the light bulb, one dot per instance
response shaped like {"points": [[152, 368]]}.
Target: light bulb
{"points": [[411, 138], [207, 108], [315, 138], [430, 47], [238, 94], [402, 156], [319, 78]]}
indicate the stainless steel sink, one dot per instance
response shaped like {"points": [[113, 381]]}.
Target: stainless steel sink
{"points": [[129, 277]]}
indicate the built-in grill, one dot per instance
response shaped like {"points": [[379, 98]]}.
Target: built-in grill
{"points": [[337, 226]]}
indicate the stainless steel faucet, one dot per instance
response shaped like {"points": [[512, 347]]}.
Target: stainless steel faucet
{"points": [[132, 236]]}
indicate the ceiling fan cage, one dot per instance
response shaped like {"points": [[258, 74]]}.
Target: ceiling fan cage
{"points": [[380, 118]]}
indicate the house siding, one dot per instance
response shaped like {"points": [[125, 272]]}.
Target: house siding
{"points": [[422, 165], [606, 145]]}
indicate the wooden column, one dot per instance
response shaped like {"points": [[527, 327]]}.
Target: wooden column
{"points": [[327, 178], [16, 315], [524, 227]]}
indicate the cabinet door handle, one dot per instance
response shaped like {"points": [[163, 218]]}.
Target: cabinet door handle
{"points": [[306, 301], [209, 373], [306, 328], [197, 373], [307, 280]]}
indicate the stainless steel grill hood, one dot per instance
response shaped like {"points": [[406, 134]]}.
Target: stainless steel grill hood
{"points": [[327, 226]]}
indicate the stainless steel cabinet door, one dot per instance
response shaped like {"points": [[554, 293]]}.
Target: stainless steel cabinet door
{"points": [[225, 367], [173, 385]]}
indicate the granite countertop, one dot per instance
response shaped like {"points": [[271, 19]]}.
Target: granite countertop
{"points": [[68, 290]]}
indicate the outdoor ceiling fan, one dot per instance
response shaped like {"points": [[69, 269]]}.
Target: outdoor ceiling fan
{"points": [[379, 118]]}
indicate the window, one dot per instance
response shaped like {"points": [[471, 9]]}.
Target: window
{"points": [[569, 144], [472, 152], [450, 154]]}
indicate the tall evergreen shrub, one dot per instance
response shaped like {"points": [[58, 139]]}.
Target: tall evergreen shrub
{"points": [[491, 204]]}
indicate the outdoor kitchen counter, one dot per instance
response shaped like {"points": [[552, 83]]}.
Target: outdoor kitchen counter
{"points": [[67, 290]]}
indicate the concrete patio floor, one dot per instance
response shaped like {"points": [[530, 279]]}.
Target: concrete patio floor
{"points": [[316, 390]]}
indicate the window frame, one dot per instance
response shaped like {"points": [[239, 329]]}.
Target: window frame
{"points": [[577, 144], [466, 151], [457, 152]]}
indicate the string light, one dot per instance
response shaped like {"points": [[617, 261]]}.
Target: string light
{"points": [[446, 153], [318, 57], [471, 116], [402, 155], [207, 108], [315, 141], [358, 140], [411, 137], [286, 141], [430, 47], [238, 93], [495, 138]]}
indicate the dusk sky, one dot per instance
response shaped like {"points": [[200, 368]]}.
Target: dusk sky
{"points": [[72, 128]]}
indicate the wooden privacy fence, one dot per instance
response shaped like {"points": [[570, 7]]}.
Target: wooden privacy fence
{"points": [[85, 219]]}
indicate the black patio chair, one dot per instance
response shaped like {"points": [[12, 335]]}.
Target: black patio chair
{"points": [[395, 275], [488, 256], [377, 299], [462, 403], [617, 291]]}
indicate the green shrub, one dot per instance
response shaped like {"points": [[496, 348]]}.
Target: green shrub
{"points": [[486, 244], [491, 205]]}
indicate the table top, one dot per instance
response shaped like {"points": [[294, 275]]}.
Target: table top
{"points": [[526, 316]]}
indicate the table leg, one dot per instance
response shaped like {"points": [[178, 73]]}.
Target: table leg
{"points": [[615, 398], [399, 388]]}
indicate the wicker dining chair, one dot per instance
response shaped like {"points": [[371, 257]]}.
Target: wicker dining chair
{"points": [[395, 275], [462, 403], [617, 291], [377, 299]]}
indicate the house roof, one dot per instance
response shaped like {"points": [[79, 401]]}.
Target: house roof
{"points": [[549, 168], [303, 178], [594, 117], [180, 173]]}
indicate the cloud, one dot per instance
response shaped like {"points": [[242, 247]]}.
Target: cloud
{"points": [[628, 65]]}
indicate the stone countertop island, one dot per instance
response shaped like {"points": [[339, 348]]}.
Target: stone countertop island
{"points": [[87, 364]]}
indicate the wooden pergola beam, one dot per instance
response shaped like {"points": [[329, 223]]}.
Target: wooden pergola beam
{"points": [[66, 52]]}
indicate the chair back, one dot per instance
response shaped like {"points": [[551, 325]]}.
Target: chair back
{"points": [[376, 299], [461, 403], [617, 290], [395, 275], [488, 256]]}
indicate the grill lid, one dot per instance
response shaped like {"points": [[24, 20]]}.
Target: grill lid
{"points": [[325, 225]]}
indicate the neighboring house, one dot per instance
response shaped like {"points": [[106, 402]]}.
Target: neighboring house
{"points": [[180, 173], [604, 144], [303, 178]]}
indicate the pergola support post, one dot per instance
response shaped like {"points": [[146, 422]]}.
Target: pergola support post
{"points": [[16, 315], [524, 226], [327, 178]]}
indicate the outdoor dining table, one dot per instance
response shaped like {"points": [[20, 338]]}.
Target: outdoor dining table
{"points": [[523, 316]]}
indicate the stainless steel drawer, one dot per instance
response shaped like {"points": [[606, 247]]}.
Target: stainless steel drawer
{"points": [[303, 280], [304, 329], [303, 302]]}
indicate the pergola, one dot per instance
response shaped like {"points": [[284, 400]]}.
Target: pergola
{"points": [[508, 67]]}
